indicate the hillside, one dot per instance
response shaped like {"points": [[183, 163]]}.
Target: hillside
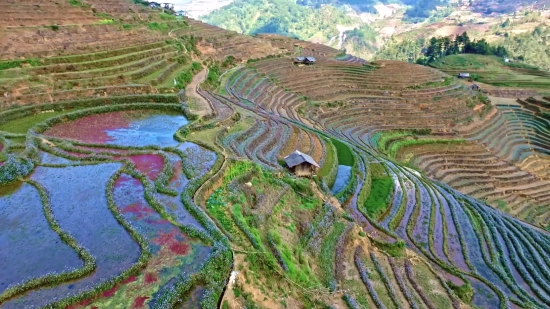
{"points": [[142, 164], [495, 71], [395, 30]]}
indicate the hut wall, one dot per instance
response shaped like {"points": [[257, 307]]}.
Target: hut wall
{"points": [[303, 169]]}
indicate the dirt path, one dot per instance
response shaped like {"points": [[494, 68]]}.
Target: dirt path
{"points": [[197, 103]]}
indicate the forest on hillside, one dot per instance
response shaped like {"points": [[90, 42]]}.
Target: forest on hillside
{"points": [[532, 47], [461, 44], [280, 16]]}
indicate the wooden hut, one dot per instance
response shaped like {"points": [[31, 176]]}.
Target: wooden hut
{"points": [[304, 60], [301, 164]]}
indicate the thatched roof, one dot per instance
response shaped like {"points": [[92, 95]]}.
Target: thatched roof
{"points": [[297, 158]]}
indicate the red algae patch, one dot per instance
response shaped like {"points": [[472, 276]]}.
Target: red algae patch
{"points": [[92, 128], [149, 164], [178, 171], [151, 277], [80, 304], [179, 248], [140, 301], [110, 292], [139, 210], [129, 280], [170, 241]]}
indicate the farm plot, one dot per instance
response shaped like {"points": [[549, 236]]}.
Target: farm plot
{"points": [[488, 166]]}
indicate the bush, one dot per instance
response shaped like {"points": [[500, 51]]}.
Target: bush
{"points": [[465, 292], [15, 168]]}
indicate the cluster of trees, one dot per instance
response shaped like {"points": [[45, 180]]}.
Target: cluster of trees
{"points": [[284, 17], [533, 47], [443, 46]]}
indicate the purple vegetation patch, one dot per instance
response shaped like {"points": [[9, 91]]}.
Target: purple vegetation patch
{"points": [[438, 231], [26, 237], [484, 297], [453, 242]]}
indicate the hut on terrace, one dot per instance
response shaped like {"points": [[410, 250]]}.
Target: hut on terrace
{"points": [[463, 75], [304, 60], [154, 5], [301, 164], [475, 87]]}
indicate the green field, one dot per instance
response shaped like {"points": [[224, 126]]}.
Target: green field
{"points": [[379, 197], [22, 125], [345, 157], [494, 71]]}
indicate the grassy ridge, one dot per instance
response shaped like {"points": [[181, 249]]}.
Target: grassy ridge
{"points": [[379, 197]]}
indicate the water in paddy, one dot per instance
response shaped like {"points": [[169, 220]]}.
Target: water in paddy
{"points": [[342, 178], [135, 128], [154, 130], [79, 204], [25, 237]]}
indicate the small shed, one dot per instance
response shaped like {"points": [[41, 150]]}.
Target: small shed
{"points": [[463, 75], [475, 87], [299, 60], [304, 60], [310, 60], [301, 164], [154, 4]]}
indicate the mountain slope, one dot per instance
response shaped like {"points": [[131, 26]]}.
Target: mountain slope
{"points": [[119, 194]]}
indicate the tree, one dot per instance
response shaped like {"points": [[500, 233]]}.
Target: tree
{"points": [[433, 52], [446, 45], [506, 23]]}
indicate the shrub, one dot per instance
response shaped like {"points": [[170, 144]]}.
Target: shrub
{"points": [[465, 292], [15, 168]]}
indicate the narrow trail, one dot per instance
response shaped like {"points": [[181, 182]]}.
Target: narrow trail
{"points": [[203, 107]]}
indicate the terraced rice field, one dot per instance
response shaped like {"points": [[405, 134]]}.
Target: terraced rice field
{"points": [[98, 197], [114, 194]]}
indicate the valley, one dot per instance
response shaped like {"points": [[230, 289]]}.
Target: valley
{"points": [[155, 161]]}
